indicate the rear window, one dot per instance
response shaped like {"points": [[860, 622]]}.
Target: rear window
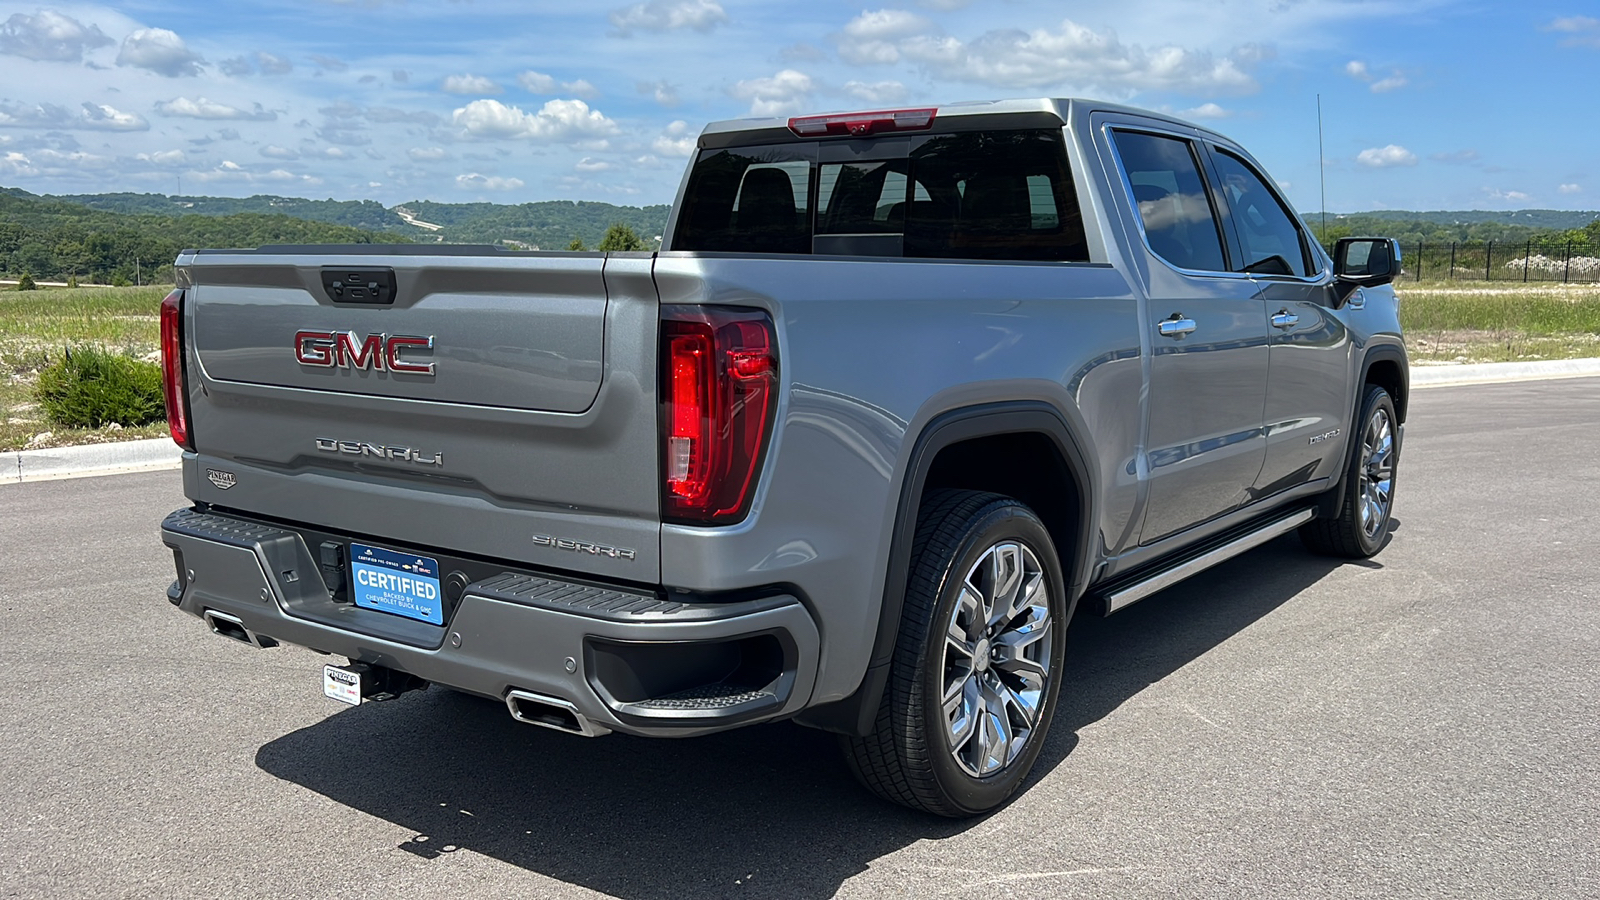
{"points": [[973, 195]]}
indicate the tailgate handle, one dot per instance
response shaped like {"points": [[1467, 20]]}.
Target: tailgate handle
{"points": [[359, 284]]}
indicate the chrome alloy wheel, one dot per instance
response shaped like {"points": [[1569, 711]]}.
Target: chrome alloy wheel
{"points": [[1377, 473], [996, 659]]}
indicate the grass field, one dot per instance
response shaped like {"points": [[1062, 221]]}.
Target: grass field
{"points": [[35, 325], [1449, 322], [1445, 322]]}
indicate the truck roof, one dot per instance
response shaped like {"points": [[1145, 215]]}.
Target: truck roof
{"points": [[1061, 108]]}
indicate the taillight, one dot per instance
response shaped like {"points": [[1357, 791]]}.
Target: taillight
{"points": [[172, 370], [719, 391], [861, 124]]}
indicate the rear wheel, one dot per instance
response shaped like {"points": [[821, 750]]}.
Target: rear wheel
{"points": [[1367, 495], [977, 665]]}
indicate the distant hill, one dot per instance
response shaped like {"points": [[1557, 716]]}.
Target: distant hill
{"points": [[53, 239], [1543, 219], [1454, 226], [549, 225]]}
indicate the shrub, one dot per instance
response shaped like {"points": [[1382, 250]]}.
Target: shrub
{"points": [[25, 283], [87, 387], [72, 282], [119, 281], [577, 244], [621, 237]]}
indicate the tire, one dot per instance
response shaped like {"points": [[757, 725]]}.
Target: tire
{"points": [[1366, 496], [1003, 669]]}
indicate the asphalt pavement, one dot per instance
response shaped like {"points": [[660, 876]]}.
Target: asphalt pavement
{"points": [[1425, 724]]}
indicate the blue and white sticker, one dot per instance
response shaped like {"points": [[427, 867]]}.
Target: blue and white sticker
{"points": [[397, 583]]}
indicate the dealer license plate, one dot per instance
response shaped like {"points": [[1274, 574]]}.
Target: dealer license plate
{"points": [[397, 583]]}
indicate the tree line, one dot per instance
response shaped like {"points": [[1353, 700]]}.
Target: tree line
{"points": [[52, 240]]}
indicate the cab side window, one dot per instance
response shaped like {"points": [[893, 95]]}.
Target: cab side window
{"points": [[1273, 244], [1170, 196]]}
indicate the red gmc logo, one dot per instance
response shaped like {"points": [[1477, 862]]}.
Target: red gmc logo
{"points": [[345, 350]]}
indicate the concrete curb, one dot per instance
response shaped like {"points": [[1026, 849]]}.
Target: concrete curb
{"points": [[18, 466], [1491, 373]]}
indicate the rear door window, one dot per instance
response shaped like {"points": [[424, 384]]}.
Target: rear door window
{"points": [[975, 195], [1170, 195], [750, 199]]}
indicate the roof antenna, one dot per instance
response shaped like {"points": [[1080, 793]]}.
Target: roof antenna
{"points": [[1322, 169]]}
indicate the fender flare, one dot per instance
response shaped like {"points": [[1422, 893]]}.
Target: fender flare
{"points": [[856, 714], [1331, 501]]}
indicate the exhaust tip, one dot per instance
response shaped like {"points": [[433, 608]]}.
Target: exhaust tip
{"points": [[232, 627], [551, 712]]}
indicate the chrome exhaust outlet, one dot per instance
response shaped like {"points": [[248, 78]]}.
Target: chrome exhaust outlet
{"points": [[551, 712], [231, 627]]}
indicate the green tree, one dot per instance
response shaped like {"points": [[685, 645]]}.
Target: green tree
{"points": [[577, 245], [621, 237], [26, 283]]}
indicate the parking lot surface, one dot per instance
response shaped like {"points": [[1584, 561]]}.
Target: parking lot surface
{"points": [[1426, 724]]}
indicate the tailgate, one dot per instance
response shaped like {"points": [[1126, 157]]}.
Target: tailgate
{"points": [[493, 404]]}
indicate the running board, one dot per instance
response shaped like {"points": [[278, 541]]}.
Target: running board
{"points": [[1166, 578]]}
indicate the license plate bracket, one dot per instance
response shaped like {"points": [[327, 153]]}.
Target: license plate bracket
{"points": [[402, 584]]}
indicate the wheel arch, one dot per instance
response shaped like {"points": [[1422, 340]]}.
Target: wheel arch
{"points": [[943, 456]]}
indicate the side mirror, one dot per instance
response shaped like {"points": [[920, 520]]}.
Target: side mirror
{"points": [[1366, 262]]}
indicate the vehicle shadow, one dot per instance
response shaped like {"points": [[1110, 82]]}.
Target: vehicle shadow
{"points": [[768, 811]]}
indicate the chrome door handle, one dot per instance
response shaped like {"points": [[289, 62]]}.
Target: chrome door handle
{"points": [[1284, 319], [1176, 327]]}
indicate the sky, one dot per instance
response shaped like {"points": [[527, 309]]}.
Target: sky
{"points": [[1426, 104]]}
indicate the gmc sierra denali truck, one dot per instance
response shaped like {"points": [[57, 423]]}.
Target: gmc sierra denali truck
{"points": [[899, 392]]}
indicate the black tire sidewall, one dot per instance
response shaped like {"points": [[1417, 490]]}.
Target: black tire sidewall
{"points": [[1001, 521]]}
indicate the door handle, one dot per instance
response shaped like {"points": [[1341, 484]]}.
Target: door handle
{"points": [[1176, 327], [1284, 319]]}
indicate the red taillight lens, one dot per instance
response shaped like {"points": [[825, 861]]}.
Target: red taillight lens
{"points": [[172, 370], [719, 390], [862, 124]]}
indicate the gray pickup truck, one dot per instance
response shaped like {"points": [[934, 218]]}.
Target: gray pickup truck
{"points": [[900, 390]]}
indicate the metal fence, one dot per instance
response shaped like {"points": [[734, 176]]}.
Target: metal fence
{"points": [[1545, 260]]}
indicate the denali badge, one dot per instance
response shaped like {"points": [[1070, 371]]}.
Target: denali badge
{"points": [[1322, 437], [344, 350], [593, 549], [223, 480], [379, 451]]}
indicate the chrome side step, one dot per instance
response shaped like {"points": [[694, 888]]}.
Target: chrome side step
{"points": [[1166, 578]]}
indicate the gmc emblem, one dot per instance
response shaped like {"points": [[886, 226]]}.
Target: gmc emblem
{"points": [[344, 350]]}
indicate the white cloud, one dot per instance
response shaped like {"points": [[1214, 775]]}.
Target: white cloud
{"points": [[1357, 69], [664, 92], [165, 158], [266, 63], [1392, 83], [334, 153], [1205, 111], [475, 182], [581, 88], [1508, 196], [537, 82], [1386, 157], [589, 164], [787, 92], [1584, 30], [92, 117], [1570, 189], [1074, 57], [881, 92], [201, 108], [427, 154], [49, 35], [677, 140], [159, 50], [873, 36], [231, 172], [667, 15], [14, 164], [558, 121], [1457, 158], [273, 151], [469, 84]]}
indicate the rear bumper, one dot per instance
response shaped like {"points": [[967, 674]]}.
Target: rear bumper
{"points": [[625, 659]]}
